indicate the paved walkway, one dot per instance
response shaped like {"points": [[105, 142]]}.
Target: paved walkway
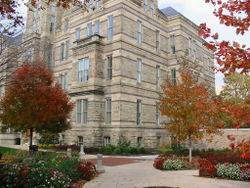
{"points": [[142, 174]]}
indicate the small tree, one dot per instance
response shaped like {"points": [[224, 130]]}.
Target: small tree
{"points": [[34, 102], [191, 110]]}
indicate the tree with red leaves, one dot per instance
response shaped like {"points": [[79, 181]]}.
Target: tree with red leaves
{"points": [[190, 109], [34, 102], [230, 56]]}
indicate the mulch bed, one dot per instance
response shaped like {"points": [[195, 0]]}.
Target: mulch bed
{"points": [[115, 161]]}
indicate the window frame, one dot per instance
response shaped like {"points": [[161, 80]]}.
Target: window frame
{"points": [[83, 70], [158, 73], [89, 29], [172, 44], [138, 112], [138, 71], [108, 110], [109, 63], [110, 27], [139, 32], [78, 34], [82, 111]]}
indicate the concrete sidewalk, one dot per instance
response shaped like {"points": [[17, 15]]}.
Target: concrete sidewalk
{"points": [[143, 174]]}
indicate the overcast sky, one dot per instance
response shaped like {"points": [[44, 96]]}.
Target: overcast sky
{"points": [[199, 12]]}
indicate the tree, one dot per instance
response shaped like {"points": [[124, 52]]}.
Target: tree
{"points": [[230, 57], [34, 102], [192, 112]]}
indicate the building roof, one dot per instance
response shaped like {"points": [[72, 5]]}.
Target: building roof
{"points": [[14, 41], [169, 12]]}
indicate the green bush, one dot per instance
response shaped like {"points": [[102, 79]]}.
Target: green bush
{"points": [[117, 150], [133, 150], [142, 150], [126, 150], [107, 149], [173, 164], [231, 171], [49, 138]]}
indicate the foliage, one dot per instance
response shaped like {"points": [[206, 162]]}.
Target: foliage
{"points": [[242, 146], [7, 150], [231, 171], [123, 142], [49, 138], [158, 162], [174, 164], [207, 168], [245, 172], [13, 175], [33, 101], [230, 56], [87, 170]]}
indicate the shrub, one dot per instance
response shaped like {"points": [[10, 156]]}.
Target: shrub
{"points": [[231, 171], [142, 150], [126, 150], [49, 138], [207, 168], [87, 170], [245, 172], [117, 150], [13, 175], [158, 162], [173, 164], [133, 150], [107, 149]]}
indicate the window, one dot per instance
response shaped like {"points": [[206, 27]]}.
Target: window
{"points": [[139, 142], [98, 4], [138, 112], [158, 116], [62, 52], [173, 76], [109, 68], [61, 79], [145, 5], [66, 25], [158, 141], [52, 24], [106, 141], [79, 140], [82, 109], [83, 70], [53, 6], [37, 25], [34, 26], [172, 44], [108, 111], [151, 7], [66, 78], [97, 27], [50, 55], [158, 41], [90, 5], [78, 33], [110, 27], [194, 50], [139, 31], [158, 76], [138, 70], [89, 30], [190, 47], [67, 50]]}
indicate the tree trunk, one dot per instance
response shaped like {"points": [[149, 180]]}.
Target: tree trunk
{"points": [[190, 148]]}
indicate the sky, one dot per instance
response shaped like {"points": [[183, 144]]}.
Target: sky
{"points": [[198, 12]]}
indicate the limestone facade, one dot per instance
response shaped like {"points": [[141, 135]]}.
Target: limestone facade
{"points": [[111, 60]]}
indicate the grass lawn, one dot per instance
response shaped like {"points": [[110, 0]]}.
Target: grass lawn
{"points": [[4, 150]]}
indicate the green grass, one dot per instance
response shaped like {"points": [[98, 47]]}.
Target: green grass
{"points": [[4, 150], [164, 150]]}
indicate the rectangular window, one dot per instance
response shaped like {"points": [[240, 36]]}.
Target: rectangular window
{"points": [[83, 70], [158, 76], [52, 24], [139, 31], [106, 141], [139, 142], [34, 26], [158, 116], [151, 7], [97, 27], [37, 25], [53, 6], [90, 5], [78, 33], [108, 111], [138, 70], [173, 76], [98, 4], [172, 44], [62, 52], [61, 79], [82, 109], [110, 27], [67, 50], [50, 55], [145, 5], [109, 68], [66, 25], [79, 140], [138, 112], [158, 41], [190, 47], [89, 29], [66, 78], [194, 50]]}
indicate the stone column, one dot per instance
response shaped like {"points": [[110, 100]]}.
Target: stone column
{"points": [[99, 167]]}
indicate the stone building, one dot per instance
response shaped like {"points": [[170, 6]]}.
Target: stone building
{"points": [[111, 57]]}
